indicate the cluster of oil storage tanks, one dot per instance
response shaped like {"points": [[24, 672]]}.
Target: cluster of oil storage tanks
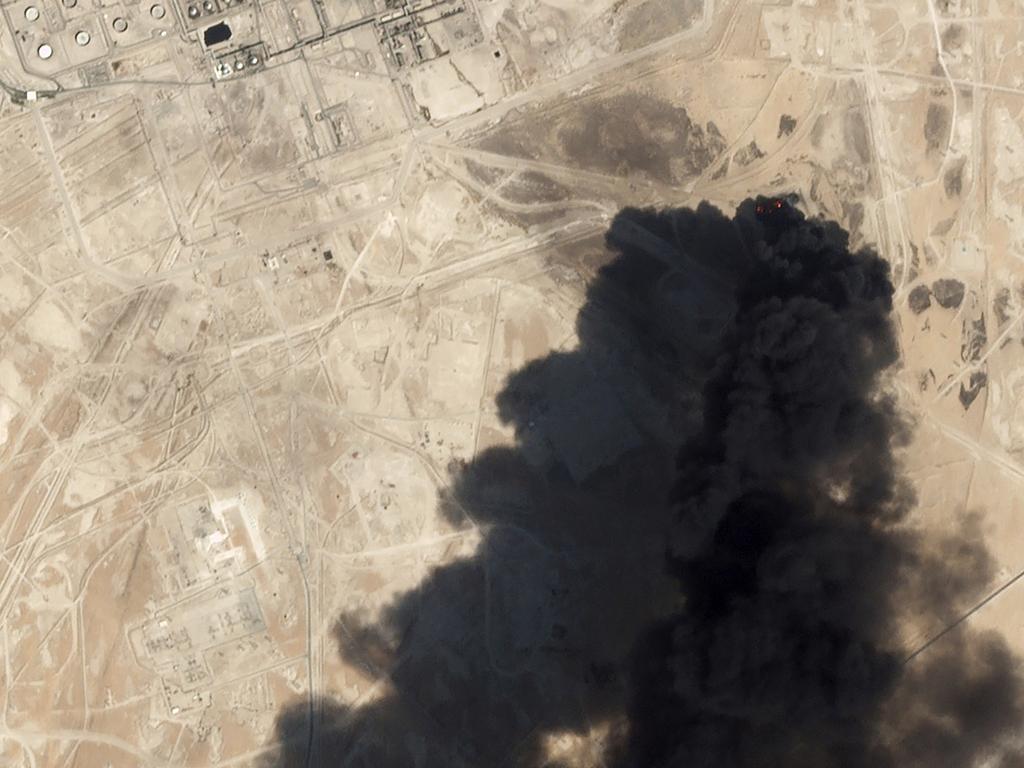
{"points": [[209, 7], [81, 37], [250, 59]]}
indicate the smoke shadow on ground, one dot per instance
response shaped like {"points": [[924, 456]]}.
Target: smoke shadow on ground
{"points": [[695, 551]]}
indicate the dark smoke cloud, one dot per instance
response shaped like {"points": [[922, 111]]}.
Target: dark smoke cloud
{"points": [[736, 603], [788, 547]]}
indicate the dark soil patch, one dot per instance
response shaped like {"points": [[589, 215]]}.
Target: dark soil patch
{"points": [[936, 126], [787, 124], [637, 133], [920, 299], [953, 180], [969, 392], [654, 20], [949, 293], [748, 154]]}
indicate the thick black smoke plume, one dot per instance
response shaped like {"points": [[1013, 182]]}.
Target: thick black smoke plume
{"points": [[797, 575], [773, 632]]}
